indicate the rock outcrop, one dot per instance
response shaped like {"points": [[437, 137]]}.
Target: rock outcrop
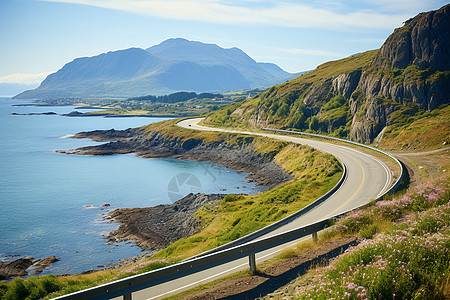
{"points": [[423, 41], [156, 227], [345, 84], [24, 266]]}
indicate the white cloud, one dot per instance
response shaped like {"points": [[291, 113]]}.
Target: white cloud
{"points": [[283, 14], [410, 6], [24, 78]]}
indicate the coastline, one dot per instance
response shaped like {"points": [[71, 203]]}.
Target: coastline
{"points": [[154, 228], [241, 157]]}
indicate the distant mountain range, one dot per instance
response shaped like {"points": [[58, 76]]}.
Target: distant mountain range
{"points": [[174, 65]]}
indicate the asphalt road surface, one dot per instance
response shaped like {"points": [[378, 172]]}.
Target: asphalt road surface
{"points": [[367, 179]]}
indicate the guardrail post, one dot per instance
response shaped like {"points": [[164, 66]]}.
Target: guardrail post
{"points": [[127, 296], [314, 237], [252, 262]]}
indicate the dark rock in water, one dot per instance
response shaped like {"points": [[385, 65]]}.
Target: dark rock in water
{"points": [[80, 114], [15, 268], [24, 266], [40, 264], [50, 113], [74, 114], [107, 135]]}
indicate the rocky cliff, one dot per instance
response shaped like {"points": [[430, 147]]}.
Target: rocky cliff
{"points": [[412, 67], [357, 97]]}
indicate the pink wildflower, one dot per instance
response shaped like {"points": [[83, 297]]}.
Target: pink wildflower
{"points": [[351, 286]]}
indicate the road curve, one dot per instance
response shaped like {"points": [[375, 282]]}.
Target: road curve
{"points": [[367, 179]]}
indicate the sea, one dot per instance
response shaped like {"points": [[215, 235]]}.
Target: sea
{"points": [[54, 204]]}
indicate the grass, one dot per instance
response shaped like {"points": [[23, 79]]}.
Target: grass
{"points": [[237, 215], [49, 286], [409, 259], [416, 129]]}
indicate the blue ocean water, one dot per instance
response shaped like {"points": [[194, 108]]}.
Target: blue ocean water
{"points": [[51, 204]]}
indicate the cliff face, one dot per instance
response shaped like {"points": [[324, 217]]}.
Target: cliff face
{"points": [[356, 97], [423, 41], [411, 67]]}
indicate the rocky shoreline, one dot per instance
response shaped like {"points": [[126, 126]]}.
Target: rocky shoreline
{"points": [[154, 228], [240, 157]]}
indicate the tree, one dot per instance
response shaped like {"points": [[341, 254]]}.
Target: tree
{"points": [[314, 125]]}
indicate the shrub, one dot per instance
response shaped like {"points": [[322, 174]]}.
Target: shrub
{"points": [[32, 288]]}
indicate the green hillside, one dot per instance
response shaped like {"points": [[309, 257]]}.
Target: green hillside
{"points": [[366, 95]]}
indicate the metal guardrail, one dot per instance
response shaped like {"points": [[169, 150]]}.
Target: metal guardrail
{"points": [[125, 287], [251, 236], [399, 179]]}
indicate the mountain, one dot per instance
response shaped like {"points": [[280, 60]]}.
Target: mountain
{"points": [[364, 96], [173, 65]]}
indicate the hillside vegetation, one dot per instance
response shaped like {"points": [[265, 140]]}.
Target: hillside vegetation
{"points": [[406, 254], [365, 95]]}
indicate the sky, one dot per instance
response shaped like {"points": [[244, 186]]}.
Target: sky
{"points": [[37, 37]]}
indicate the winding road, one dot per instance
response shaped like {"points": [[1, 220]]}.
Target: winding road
{"points": [[367, 179]]}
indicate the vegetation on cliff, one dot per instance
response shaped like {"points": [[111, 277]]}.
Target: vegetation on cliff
{"points": [[360, 96]]}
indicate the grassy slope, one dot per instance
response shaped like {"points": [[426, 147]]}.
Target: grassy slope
{"points": [[406, 254], [283, 103], [419, 130]]}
